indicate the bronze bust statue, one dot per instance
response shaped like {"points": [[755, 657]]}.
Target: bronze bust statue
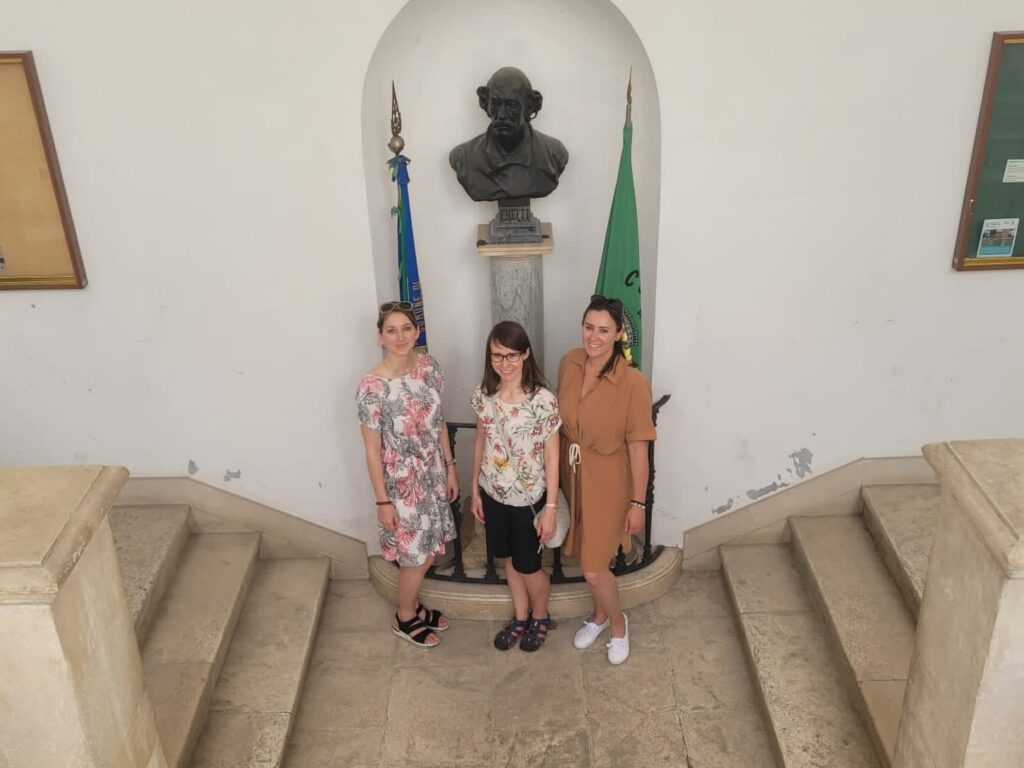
{"points": [[511, 161]]}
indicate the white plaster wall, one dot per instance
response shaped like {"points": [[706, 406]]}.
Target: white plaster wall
{"points": [[578, 54], [813, 161], [213, 162]]}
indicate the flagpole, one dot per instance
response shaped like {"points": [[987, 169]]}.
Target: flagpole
{"points": [[396, 143], [409, 288], [629, 98]]}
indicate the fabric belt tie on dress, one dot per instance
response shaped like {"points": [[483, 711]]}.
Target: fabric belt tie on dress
{"points": [[574, 456]]}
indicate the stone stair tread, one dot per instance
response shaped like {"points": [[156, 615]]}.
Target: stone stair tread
{"points": [[258, 690], [869, 621], [903, 520], [149, 540], [185, 649], [810, 716]]}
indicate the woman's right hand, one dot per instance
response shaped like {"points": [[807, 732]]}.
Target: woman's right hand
{"points": [[477, 506], [387, 517]]}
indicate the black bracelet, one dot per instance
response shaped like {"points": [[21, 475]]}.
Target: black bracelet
{"points": [[638, 503]]}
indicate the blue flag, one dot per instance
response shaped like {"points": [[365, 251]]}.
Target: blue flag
{"points": [[408, 272]]}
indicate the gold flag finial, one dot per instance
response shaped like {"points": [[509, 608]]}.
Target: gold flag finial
{"points": [[629, 99], [396, 143]]}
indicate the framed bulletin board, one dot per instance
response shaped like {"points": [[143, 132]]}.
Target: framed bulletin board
{"points": [[992, 218], [38, 247]]}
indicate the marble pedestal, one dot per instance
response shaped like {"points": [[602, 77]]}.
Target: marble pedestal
{"points": [[965, 696], [517, 283], [71, 688]]}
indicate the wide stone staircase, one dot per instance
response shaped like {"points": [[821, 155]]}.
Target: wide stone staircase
{"points": [[224, 636], [828, 621]]}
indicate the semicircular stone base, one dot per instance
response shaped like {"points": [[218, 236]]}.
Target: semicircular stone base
{"points": [[492, 601]]}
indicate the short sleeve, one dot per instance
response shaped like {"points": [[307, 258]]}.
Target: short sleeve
{"points": [[434, 375], [547, 412], [476, 402], [639, 420], [368, 402]]}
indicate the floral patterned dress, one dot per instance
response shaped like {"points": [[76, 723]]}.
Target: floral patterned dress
{"points": [[406, 411]]}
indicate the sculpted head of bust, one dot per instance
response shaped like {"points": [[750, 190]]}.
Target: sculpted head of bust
{"points": [[511, 102], [510, 160]]}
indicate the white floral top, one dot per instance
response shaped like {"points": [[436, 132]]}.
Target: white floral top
{"points": [[512, 468]]}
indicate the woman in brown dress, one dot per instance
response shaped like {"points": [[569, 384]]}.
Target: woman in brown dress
{"points": [[606, 425]]}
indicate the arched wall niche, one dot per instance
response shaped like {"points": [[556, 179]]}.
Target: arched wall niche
{"points": [[578, 53]]}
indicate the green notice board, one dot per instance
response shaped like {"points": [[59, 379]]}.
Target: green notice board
{"points": [[991, 232]]}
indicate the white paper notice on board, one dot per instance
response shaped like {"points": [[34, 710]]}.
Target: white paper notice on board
{"points": [[997, 238], [1014, 172]]}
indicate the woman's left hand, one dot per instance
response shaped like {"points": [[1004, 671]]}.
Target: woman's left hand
{"points": [[546, 526], [634, 520], [453, 484]]}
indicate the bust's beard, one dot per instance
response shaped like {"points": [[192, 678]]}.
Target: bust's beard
{"points": [[509, 141]]}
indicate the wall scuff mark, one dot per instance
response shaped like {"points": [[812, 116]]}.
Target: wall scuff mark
{"points": [[802, 461], [229, 475], [192, 467], [723, 509], [756, 493]]}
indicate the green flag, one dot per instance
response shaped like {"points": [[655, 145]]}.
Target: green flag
{"points": [[619, 276]]}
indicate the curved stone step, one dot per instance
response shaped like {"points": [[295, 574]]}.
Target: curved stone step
{"points": [[868, 620], [258, 691], [462, 600], [149, 541], [811, 720], [902, 519], [186, 646]]}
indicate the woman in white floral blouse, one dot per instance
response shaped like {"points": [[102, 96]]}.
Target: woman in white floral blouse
{"points": [[515, 476]]}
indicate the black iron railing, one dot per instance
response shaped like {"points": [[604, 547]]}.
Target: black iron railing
{"points": [[623, 564]]}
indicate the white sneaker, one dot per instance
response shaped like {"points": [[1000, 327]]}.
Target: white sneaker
{"points": [[618, 647], [588, 633]]}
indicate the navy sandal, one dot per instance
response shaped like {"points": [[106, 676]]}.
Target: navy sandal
{"points": [[415, 632], [535, 635], [510, 634]]}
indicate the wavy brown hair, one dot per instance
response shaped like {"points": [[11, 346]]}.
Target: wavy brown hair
{"points": [[511, 335]]}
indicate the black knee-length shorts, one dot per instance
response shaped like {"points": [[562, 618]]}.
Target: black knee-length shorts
{"points": [[510, 532]]}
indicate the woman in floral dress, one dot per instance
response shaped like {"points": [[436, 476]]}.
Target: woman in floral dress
{"points": [[515, 477], [410, 464]]}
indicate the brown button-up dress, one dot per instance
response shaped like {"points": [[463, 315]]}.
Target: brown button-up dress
{"points": [[612, 415]]}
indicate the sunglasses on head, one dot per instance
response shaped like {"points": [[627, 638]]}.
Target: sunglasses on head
{"points": [[615, 304], [391, 306]]}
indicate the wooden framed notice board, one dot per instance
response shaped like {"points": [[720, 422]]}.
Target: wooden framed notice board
{"points": [[38, 247], [993, 211]]}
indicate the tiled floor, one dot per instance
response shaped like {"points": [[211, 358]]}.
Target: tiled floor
{"points": [[684, 698]]}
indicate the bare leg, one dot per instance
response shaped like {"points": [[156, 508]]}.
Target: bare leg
{"points": [[409, 581], [518, 587], [605, 593], [538, 586]]}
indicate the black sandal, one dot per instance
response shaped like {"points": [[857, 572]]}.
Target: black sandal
{"points": [[535, 634], [510, 634], [432, 618], [415, 632]]}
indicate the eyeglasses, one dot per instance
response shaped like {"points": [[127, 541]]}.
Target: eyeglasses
{"points": [[391, 306], [512, 357]]}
